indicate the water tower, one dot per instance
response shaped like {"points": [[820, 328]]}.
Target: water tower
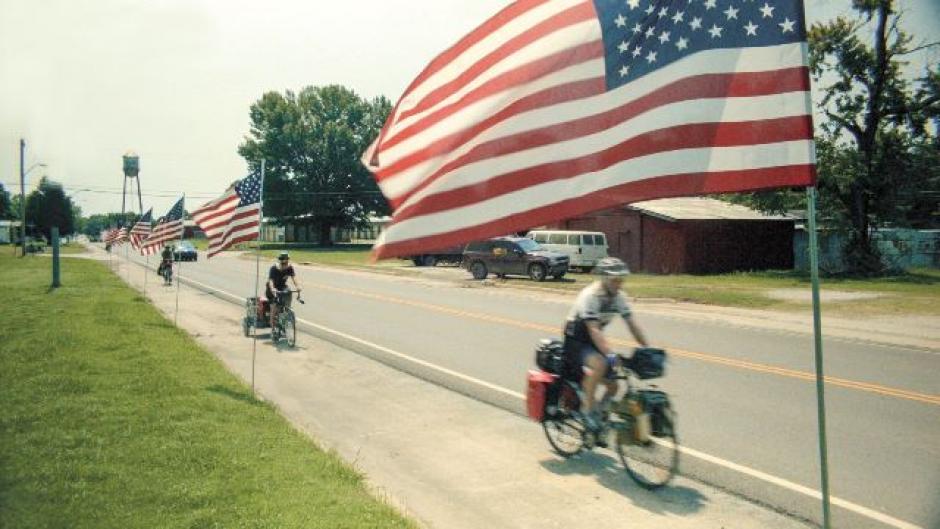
{"points": [[132, 176]]}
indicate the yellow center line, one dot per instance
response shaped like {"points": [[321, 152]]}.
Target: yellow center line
{"points": [[704, 357]]}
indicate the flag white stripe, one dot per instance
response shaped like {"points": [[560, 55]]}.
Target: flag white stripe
{"points": [[576, 34], [473, 114], [693, 112], [712, 159], [483, 48], [708, 62]]}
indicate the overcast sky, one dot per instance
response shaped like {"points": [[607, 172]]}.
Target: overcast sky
{"points": [[85, 81]]}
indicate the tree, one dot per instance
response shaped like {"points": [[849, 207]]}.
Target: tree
{"points": [[93, 225], [311, 143], [876, 155], [49, 207], [6, 207]]}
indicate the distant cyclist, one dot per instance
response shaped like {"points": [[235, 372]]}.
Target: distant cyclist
{"points": [[277, 281], [166, 260], [589, 356]]}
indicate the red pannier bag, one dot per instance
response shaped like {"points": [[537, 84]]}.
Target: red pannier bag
{"points": [[538, 383]]}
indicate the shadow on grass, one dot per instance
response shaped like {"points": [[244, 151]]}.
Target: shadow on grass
{"points": [[673, 499], [239, 395]]}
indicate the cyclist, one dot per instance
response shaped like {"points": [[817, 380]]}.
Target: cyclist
{"points": [[277, 281], [588, 355], [166, 259]]}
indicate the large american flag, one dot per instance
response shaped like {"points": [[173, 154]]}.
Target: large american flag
{"points": [[553, 109], [234, 217], [141, 230], [168, 228]]}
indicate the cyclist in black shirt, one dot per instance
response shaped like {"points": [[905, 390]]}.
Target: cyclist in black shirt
{"points": [[277, 281]]}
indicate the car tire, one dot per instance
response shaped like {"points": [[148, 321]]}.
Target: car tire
{"points": [[417, 261], [478, 269], [429, 260], [537, 272]]}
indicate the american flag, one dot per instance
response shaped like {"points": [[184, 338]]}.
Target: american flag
{"points": [[168, 228], [118, 236], [234, 217], [553, 109], [107, 236], [141, 229]]}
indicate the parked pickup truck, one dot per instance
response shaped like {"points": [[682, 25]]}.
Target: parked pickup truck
{"points": [[452, 256]]}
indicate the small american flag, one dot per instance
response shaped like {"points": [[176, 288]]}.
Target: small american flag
{"points": [[553, 109], [117, 237], [234, 217], [141, 230], [108, 235], [168, 228]]}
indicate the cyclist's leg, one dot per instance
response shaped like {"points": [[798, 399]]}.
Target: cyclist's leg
{"points": [[595, 367]]}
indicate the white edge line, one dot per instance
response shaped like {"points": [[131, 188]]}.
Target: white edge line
{"points": [[763, 476]]}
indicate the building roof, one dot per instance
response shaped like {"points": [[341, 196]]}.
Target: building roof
{"points": [[701, 208]]}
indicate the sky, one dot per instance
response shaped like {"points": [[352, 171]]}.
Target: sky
{"points": [[84, 82]]}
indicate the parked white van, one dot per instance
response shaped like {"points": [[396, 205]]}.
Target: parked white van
{"points": [[583, 248]]}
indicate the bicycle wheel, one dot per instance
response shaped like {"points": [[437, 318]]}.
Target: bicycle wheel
{"points": [[290, 329], [563, 431], [653, 463]]}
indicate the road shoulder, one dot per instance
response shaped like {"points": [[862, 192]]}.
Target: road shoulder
{"points": [[444, 458]]}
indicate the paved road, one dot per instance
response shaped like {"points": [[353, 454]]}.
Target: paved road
{"points": [[743, 393]]}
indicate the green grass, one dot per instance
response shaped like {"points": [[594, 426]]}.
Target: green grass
{"points": [[70, 248], [113, 418]]}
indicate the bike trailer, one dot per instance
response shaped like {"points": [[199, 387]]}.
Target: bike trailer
{"points": [[536, 392]]}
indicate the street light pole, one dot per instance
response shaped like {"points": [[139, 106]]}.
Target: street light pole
{"points": [[23, 196]]}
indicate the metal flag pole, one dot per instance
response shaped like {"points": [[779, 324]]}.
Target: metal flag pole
{"points": [[127, 258], [179, 271], [817, 335], [254, 342]]}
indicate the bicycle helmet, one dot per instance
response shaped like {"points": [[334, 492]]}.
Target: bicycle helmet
{"points": [[611, 266]]}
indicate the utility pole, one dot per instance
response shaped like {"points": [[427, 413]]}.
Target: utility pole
{"points": [[23, 195]]}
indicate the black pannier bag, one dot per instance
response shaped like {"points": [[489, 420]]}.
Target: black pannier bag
{"points": [[648, 362], [550, 356], [655, 403]]}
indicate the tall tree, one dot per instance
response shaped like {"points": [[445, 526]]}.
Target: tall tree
{"points": [[6, 208], [49, 207], [875, 146], [312, 142]]}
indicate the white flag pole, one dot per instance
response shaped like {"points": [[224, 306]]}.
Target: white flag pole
{"points": [[179, 271], [254, 342]]}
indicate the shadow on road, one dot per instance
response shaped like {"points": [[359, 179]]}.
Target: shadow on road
{"points": [[672, 499]]}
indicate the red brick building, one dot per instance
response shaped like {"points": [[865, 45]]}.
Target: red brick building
{"points": [[692, 235]]}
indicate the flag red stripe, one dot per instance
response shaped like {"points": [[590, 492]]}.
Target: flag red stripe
{"points": [[489, 27], [545, 98], [698, 87], [477, 35], [524, 74], [661, 187], [218, 207], [569, 17], [232, 242], [722, 134]]}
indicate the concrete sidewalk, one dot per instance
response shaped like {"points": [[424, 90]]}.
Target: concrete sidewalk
{"points": [[448, 460]]}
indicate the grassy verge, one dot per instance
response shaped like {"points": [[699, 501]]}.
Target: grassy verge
{"points": [[71, 248], [112, 417]]}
